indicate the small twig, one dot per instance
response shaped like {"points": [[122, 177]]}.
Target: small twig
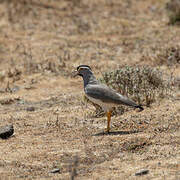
{"points": [[73, 168], [8, 89]]}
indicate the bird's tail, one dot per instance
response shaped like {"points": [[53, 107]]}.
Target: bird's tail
{"points": [[140, 107]]}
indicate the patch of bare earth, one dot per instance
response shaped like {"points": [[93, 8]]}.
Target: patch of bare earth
{"points": [[41, 43]]}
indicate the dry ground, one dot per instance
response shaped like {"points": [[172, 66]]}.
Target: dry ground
{"points": [[41, 43]]}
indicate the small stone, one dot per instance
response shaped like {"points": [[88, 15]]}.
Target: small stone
{"points": [[56, 170], [31, 108], [6, 131], [29, 87], [15, 89], [2, 90], [142, 172]]}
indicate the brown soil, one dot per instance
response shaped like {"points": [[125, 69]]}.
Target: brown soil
{"points": [[41, 43]]}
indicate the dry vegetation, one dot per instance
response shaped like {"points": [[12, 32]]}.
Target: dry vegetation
{"points": [[41, 43], [173, 8]]}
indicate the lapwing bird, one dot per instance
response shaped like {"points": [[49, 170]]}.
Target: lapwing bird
{"points": [[101, 94]]}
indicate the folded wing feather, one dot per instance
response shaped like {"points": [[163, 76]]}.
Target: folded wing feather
{"points": [[106, 94]]}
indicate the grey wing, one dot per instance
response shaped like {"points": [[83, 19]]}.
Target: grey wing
{"points": [[106, 94]]}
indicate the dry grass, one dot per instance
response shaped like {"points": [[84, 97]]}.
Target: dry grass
{"points": [[169, 56], [41, 43]]}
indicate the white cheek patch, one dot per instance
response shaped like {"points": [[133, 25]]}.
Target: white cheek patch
{"points": [[81, 68]]}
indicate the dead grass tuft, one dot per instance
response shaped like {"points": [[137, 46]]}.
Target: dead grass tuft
{"points": [[8, 101], [18, 9], [173, 8], [136, 145], [169, 56]]}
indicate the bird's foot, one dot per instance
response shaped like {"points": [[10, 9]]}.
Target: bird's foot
{"points": [[107, 131]]}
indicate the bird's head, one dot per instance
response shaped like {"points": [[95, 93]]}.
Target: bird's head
{"points": [[82, 70]]}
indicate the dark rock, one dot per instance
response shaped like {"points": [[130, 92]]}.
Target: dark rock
{"points": [[142, 172], [31, 108], [56, 170], [6, 131]]}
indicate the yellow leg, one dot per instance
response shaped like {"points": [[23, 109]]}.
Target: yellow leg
{"points": [[108, 120]]}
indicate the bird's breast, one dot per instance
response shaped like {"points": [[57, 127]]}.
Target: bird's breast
{"points": [[105, 106]]}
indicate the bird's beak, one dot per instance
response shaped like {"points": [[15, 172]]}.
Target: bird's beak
{"points": [[75, 73]]}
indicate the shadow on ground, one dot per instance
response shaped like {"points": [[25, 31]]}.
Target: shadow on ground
{"points": [[116, 133]]}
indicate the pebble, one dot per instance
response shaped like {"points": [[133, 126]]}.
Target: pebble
{"points": [[6, 131], [31, 108], [56, 170], [142, 172]]}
